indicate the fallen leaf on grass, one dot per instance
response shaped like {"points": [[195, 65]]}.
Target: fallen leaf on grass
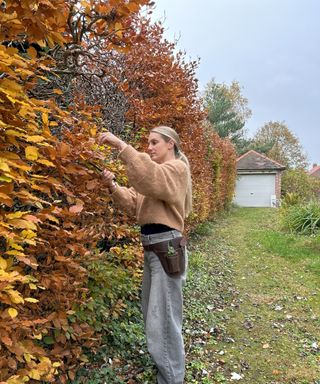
{"points": [[276, 372], [235, 376]]}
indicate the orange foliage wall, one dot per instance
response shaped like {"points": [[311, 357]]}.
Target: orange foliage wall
{"points": [[53, 207], [162, 89]]}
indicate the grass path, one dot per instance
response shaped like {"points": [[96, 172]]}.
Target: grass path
{"points": [[251, 305]]}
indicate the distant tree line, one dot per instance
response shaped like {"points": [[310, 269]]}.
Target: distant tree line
{"points": [[227, 113]]}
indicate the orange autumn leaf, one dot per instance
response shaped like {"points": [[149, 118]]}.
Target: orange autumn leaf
{"points": [[76, 208]]}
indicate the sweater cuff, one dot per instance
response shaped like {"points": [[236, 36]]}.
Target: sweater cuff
{"points": [[115, 192]]}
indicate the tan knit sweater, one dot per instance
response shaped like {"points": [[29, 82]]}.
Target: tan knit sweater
{"points": [[158, 191]]}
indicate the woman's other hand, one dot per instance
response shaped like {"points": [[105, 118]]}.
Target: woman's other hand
{"points": [[108, 179], [112, 140]]}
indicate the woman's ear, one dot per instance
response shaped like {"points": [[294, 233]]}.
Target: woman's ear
{"points": [[171, 144]]}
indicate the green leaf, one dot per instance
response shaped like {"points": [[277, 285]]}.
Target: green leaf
{"points": [[49, 340]]}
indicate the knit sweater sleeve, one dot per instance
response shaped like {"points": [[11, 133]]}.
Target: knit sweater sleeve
{"points": [[166, 181], [125, 198]]}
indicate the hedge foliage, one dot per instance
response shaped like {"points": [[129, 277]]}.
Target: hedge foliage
{"points": [[63, 64]]}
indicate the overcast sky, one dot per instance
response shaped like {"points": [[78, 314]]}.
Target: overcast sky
{"points": [[271, 47]]}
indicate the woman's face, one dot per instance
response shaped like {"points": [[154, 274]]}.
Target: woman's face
{"points": [[159, 149]]}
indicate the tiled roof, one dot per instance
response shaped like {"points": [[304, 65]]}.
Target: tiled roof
{"points": [[253, 160], [315, 171]]}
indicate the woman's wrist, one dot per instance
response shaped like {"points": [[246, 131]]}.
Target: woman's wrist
{"points": [[121, 145]]}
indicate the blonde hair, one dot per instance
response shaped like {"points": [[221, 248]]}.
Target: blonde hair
{"points": [[169, 133]]}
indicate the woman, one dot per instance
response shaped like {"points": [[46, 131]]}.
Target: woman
{"points": [[160, 198]]}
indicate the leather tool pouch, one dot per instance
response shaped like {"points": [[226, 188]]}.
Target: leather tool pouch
{"points": [[171, 254]]}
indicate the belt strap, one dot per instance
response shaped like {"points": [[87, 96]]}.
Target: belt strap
{"points": [[162, 246]]}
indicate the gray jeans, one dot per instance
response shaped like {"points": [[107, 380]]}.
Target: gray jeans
{"points": [[162, 312]]}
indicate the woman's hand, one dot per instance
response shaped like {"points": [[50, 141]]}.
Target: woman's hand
{"points": [[108, 179], [112, 140]]}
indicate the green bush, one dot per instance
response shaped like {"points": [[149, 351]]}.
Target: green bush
{"points": [[303, 219], [301, 184]]}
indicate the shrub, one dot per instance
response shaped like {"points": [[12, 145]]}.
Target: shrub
{"points": [[300, 183], [303, 219], [290, 199]]}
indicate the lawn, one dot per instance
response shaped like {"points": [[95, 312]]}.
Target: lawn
{"points": [[267, 330]]}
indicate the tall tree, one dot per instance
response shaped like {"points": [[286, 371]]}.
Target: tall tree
{"points": [[285, 147], [227, 109]]}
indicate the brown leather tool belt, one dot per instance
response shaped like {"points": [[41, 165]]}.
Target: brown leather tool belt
{"points": [[171, 254]]}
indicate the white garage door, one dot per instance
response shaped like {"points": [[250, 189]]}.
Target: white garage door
{"points": [[254, 190]]}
